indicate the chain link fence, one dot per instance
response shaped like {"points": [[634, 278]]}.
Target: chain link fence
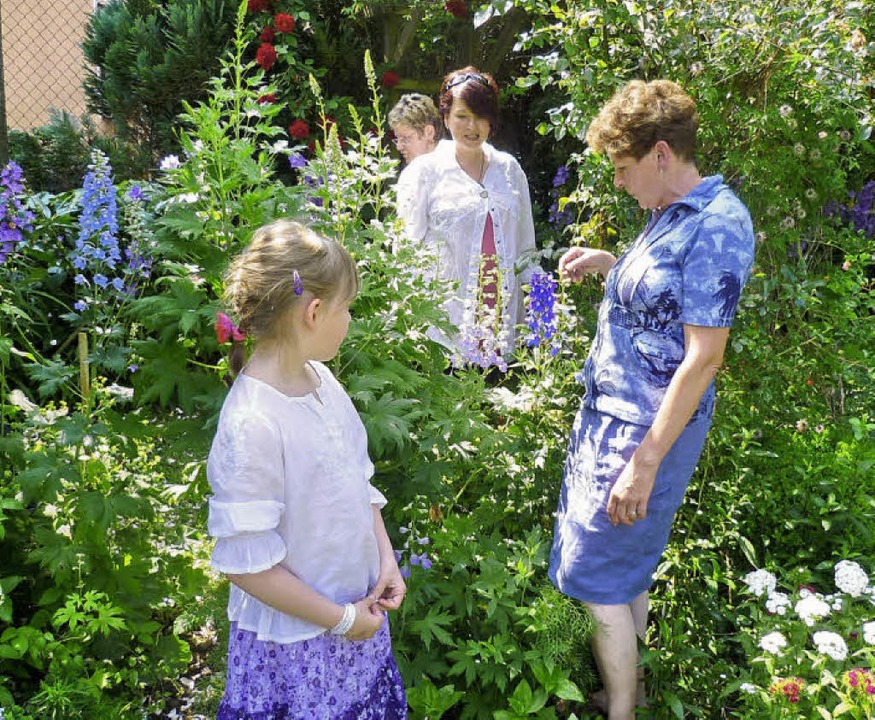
{"points": [[41, 62]]}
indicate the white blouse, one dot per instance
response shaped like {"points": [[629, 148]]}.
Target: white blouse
{"points": [[445, 209], [291, 486]]}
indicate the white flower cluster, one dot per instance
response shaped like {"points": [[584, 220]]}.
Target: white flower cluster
{"points": [[812, 608], [773, 642], [832, 644], [761, 582], [777, 603], [850, 578]]}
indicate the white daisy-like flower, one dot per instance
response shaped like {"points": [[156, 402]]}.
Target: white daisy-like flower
{"points": [[760, 582], [850, 578], [773, 642], [170, 162], [748, 688], [785, 110], [869, 633], [812, 608], [831, 644], [777, 603]]}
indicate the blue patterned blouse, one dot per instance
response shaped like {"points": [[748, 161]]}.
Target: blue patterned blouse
{"points": [[686, 268]]}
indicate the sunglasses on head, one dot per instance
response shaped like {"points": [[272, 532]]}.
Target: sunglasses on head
{"points": [[465, 77]]}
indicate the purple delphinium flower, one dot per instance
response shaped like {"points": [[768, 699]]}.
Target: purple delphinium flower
{"points": [[559, 218], [15, 219], [541, 313], [862, 214], [97, 249], [561, 177]]}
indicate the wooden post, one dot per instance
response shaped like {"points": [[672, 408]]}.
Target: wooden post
{"points": [[84, 369]]}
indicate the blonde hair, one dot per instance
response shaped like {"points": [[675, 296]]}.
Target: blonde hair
{"points": [[642, 113], [417, 111], [284, 262]]}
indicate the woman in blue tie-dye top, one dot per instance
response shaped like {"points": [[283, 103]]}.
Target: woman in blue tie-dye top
{"points": [[662, 330]]}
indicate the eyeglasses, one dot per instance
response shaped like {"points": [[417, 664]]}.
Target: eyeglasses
{"points": [[405, 140], [465, 77]]}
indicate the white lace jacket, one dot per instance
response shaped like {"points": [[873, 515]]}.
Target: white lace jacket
{"points": [[445, 209]]}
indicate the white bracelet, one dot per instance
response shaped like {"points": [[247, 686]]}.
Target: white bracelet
{"points": [[346, 622]]}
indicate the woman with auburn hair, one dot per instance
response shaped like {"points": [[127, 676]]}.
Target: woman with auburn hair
{"points": [[662, 330], [469, 202]]}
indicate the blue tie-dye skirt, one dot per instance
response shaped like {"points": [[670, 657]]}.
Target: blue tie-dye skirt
{"points": [[324, 678], [592, 560]]}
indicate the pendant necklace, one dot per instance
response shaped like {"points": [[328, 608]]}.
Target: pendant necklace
{"points": [[484, 193]]}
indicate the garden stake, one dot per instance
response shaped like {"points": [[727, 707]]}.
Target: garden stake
{"points": [[84, 371]]}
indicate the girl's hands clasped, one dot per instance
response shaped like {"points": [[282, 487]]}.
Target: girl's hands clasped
{"points": [[390, 588], [368, 619]]}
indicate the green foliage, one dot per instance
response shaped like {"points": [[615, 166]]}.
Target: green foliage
{"points": [[92, 561], [101, 510], [55, 157], [147, 58]]}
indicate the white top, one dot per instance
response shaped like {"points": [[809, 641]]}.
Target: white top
{"points": [[291, 483], [445, 209]]}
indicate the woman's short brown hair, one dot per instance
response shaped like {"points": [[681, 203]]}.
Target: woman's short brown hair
{"points": [[642, 113], [417, 111], [477, 90]]}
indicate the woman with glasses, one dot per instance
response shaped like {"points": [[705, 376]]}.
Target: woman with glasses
{"points": [[469, 204], [416, 125]]}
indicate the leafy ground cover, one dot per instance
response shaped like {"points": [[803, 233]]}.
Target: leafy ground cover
{"points": [[111, 374]]}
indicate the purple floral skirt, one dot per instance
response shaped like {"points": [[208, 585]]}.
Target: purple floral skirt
{"points": [[324, 678]]}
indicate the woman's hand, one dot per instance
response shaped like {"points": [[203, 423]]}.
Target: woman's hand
{"points": [[368, 619], [627, 502], [580, 261], [390, 588]]}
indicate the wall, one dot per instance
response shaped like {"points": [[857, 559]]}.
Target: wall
{"points": [[42, 59]]}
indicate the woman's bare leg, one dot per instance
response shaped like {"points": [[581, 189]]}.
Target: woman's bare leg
{"points": [[615, 645]]}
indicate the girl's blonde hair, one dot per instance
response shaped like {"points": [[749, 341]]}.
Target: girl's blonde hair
{"points": [[284, 262]]}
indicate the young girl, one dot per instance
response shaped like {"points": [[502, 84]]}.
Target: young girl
{"points": [[297, 522]]}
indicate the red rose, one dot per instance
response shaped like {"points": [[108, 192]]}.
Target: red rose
{"points": [[268, 35], [284, 23], [266, 56], [390, 79], [268, 98], [456, 7], [299, 129], [255, 6]]}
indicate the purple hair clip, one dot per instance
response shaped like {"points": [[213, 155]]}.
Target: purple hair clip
{"points": [[297, 283]]}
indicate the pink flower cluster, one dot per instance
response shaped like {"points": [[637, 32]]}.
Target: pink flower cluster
{"points": [[788, 687], [862, 680], [226, 330]]}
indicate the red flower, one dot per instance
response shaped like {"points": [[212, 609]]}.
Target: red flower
{"points": [[284, 23], [268, 98], [255, 6], [390, 79], [299, 129], [227, 330], [456, 7], [268, 35], [266, 56]]}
